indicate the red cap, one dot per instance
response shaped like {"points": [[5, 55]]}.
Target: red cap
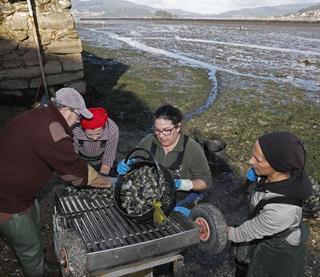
{"points": [[99, 119]]}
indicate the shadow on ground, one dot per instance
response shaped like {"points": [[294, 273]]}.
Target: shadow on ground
{"points": [[124, 107]]}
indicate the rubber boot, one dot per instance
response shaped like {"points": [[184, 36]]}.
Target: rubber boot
{"points": [[51, 267], [241, 269]]}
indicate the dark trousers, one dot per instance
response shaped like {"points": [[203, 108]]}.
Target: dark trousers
{"points": [[24, 237], [241, 269]]}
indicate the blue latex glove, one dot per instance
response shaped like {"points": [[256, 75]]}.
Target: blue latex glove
{"points": [[123, 167], [251, 175], [177, 183], [184, 211], [183, 184]]}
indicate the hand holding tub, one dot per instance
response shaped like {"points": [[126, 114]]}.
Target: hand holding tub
{"points": [[183, 184], [123, 167]]}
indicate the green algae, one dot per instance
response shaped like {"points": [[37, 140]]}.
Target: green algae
{"points": [[240, 123]]}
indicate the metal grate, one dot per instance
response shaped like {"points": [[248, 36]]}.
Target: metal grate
{"points": [[102, 227], [112, 240]]}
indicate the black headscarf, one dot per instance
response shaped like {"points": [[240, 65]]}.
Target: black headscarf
{"points": [[286, 153], [283, 151]]}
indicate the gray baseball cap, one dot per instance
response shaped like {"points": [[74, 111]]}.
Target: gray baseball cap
{"points": [[69, 97]]}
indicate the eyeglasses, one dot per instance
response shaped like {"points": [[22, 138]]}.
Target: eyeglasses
{"points": [[76, 112], [165, 132]]}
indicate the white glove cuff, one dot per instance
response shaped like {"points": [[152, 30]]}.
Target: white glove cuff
{"points": [[186, 185]]}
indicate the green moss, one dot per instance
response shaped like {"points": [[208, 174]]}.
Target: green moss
{"points": [[241, 122], [138, 88]]}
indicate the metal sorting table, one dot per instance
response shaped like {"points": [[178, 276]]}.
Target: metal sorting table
{"points": [[112, 241]]}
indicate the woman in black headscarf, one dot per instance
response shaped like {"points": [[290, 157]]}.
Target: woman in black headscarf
{"points": [[275, 230]]}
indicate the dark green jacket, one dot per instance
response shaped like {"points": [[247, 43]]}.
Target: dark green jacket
{"points": [[194, 163]]}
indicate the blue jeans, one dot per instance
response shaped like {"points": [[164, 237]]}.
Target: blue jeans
{"points": [[190, 199]]}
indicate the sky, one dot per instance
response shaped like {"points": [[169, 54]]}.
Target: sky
{"points": [[216, 6]]}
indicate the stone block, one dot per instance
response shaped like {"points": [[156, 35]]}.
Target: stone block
{"points": [[65, 4], [14, 84], [12, 60], [7, 46], [18, 21], [52, 67], [43, 2], [29, 42], [35, 83], [22, 48], [8, 9], [5, 32], [62, 35], [20, 35], [64, 78], [21, 72], [56, 21], [31, 58], [12, 92], [51, 57], [65, 46], [45, 37], [72, 62], [58, 79], [21, 7]]}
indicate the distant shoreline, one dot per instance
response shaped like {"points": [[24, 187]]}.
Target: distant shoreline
{"points": [[211, 20]]}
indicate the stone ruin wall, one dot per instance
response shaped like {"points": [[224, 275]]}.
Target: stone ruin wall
{"points": [[20, 75]]}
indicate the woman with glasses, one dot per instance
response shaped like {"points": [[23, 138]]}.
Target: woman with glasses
{"points": [[180, 154], [96, 140]]}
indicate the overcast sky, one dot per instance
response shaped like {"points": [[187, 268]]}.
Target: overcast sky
{"points": [[216, 6]]}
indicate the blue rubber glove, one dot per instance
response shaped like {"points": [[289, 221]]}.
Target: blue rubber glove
{"points": [[123, 167], [184, 211], [177, 183], [251, 175], [183, 184]]}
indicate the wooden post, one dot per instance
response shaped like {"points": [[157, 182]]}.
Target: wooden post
{"points": [[36, 41]]}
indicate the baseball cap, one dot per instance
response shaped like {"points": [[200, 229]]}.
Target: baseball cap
{"points": [[71, 98]]}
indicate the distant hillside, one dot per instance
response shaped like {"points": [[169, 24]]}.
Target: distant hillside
{"points": [[310, 9], [266, 11], [119, 8], [123, 8], [110, 8], [307, 14]]}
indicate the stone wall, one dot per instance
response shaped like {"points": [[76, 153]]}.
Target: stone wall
{"points": [[20, 75]]}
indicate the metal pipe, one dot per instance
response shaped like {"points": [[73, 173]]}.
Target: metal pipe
{"points": [[37, 45]]}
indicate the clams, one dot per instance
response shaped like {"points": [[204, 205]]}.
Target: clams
{"points": [[140, 188]]}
